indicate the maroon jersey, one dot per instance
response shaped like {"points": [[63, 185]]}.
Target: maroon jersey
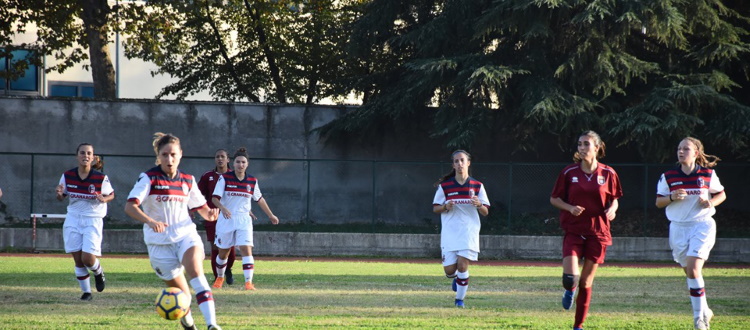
{"points": [[595, 192], [206, 185]]}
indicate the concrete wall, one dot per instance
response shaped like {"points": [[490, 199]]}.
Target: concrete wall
{"points": [[396, 245]]}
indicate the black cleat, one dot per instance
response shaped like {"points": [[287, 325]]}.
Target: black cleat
{"points": [[86, 296], [99, 282], [229, 277]]}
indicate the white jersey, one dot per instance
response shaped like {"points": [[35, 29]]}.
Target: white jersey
{"points": [[460, 226], [167, 200], [237, 196], [699, 184], [82, 193]]}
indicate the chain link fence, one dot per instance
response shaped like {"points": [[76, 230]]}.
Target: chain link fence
{"points": [[375, 196]]}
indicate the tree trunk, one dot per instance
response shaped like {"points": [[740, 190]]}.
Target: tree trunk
{"points": [[95, 17]]}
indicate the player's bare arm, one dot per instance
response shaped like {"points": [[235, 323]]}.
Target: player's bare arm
{"points": [[135, 212], [267, 210], [227, 214]]}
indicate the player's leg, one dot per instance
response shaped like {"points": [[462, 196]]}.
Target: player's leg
{"points": [[462, 278], [584, 292], [450, 266], [211, 237], [225, 242], [92, 248], [594, 252], [230, 262], [191, 249], [572, 249], [248, 265], [702, 239], [73, 241], [186, 321], [245, 243]]}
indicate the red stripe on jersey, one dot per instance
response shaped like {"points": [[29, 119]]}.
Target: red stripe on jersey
{"points": [[161, 184], [699, 179], [231, 183], [453, 190], [92, 185]]}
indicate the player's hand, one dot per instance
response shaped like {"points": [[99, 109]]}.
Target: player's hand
{"points": [[475, 201], [157, 226], [226, 213], [448, 206], [678, 194], [253, 216], [59, 191], [705, 203], [610, 213], [100, 198], [274, 219], [576, 210], [213, 214]]}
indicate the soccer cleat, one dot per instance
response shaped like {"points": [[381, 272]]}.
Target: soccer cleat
{"points": [[700, 323], [459, 303], [86, 296], [214, 327], [100, 283], [218, 283], [567, 299], [249, 286], [229, 277], [187, 327], [707, 316], [454, 286]]}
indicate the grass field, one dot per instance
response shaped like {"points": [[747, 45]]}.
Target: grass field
{"points": [[42, 293]]}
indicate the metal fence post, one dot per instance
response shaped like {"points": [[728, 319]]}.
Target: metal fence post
{"points": [[510, 196], [372, 221], [31, 191]]}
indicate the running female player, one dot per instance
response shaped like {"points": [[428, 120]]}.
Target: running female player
{"points": [[233, 195], [690, 192], [459, 200], [165, 194], [88, 192], [586, 193]]}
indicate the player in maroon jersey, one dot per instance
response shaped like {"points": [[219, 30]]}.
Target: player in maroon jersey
{"points": [[206, 184], [690, 192], [88, 192], [586, 193]]}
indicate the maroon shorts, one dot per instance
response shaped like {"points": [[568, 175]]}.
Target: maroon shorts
{"points": [[592, 248]]}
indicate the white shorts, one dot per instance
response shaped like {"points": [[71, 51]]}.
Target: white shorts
{"points": [[451, 257], [692, 239], [232, 238], [166, 259], [83, 234]]}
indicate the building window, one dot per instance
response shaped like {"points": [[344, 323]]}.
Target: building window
{"points": [[71, 89], [26, 82]]}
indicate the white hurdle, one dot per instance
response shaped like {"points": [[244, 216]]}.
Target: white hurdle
{"points": [[33, 225]]}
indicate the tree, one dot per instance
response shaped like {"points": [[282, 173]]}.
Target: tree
{"points": [[64, 29], [646, 72], [270, 51]]}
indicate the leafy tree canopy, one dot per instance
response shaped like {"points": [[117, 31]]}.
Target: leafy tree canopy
{"points": [[270, 51], [646, 73]]}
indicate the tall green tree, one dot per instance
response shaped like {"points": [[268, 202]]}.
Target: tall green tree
{"points": [[646, 73], [270, 51], [65, 29]]}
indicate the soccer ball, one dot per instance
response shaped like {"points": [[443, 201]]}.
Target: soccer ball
{"points": [[172, 303]]}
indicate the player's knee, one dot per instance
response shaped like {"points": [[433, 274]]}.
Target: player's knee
{"points": [[570, 281]]}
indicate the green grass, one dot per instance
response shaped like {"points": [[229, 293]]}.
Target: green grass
{"points": [[41, 293]]}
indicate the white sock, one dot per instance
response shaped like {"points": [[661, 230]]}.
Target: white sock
{"points": [[188, 318], [82, 274], [221, 266], [96, 268], [697, 295], [204, 298], [248, 267], [462, 284]]}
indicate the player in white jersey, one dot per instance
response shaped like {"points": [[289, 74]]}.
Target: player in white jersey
{"points": [[690, 192], [165, 195], [88, 192], [233, 195], [459, 200]]}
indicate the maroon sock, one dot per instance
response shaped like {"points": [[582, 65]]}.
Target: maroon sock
{"points": [[230, 258], [214, 253], [582, 306]]}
